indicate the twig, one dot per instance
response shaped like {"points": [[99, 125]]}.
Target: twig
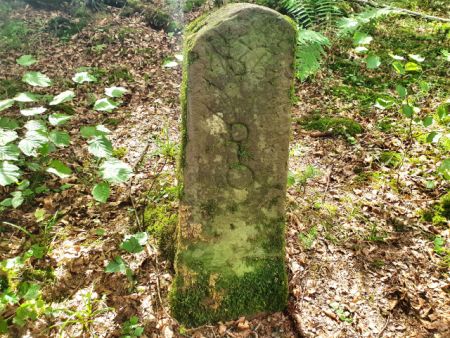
{"points": [[401, 10], [384, 326], [18, 227]]}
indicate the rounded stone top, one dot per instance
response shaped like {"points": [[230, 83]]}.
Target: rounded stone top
{"points": [[239, 132]]}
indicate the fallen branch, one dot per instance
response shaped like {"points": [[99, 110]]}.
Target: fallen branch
{"points": [[401, 10]]}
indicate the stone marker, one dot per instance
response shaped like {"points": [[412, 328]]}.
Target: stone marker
{"points": [[236, 102]]}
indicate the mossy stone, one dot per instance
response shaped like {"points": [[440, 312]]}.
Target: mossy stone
{"points": [[235, 97]]}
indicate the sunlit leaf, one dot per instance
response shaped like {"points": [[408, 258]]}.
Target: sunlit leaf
{"points": [[373, 61], [101, 192], [7, 136], [427, 121], [115, 171], [59, 169], [407, 110], [37, 79], [58, 119], [416, 58], [401, 91], [105, 104], [59, 138], [83, 77], [9, 152], [33, 111], [131, 245], [115, 91], [444, 168], [25, 97], [91, 131], [100, 147], [9, 173], [26, 60], [5, 104], [398, 66], [361, 49], [35, 125], [361, 38], [65, 96], [34, 139], [17, 199], [412, 67], [116, 265]]}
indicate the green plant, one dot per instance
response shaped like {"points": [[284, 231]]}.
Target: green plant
{"points": [[308, 238], [29, 145], [301, 178], [340, 311], [84, 314], [336, 126], [131, 328], [13, 33]]}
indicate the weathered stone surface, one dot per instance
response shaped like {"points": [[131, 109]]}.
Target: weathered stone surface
{"points": [[236, 101]]}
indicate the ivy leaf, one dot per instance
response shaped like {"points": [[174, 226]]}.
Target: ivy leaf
{"points": [[7, 136], [5, 104], [101, 192], [33, 111], [444, 168], [8, 123], [100, 146], [17, 199], [115, 171], [9, 173], [83, 77], [59, 138], [373, 61], [131, 245], [37, 79], [105, 105], [26, 60], [401, 91], [9, 152], [115, 91], [412, 67], [59, 169], [65, 96], [25, 97], [116, 265], [58, 119]]}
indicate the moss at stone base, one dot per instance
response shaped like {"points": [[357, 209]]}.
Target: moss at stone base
{"points": [[336, 125], [205, 298]]}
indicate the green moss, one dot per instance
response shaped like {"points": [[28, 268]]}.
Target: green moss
{"points": [[439, 214], [64, 28], [336, 125], [190, 5], [208, 298]]}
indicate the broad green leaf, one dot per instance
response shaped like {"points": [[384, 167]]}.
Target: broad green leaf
{"points": [[373, 61], [9, 173], [59, 169], [398, 66], [5, 104], [446, 55], [59, 138], [84, 77], [37, 79], [65, 96], [26, 60], [142, 237], [427, 121], [8, 123], [105, 105], [33, 111], [115, 91], [101, 192], [412, 67], [361, 38], [115, 171], [131, 245], [9, 152], [34, 139], [401, 91], [17, 199], [25, 97], [7, 136], [91, 131], [384, 102], [444, 169], [416, 58], [407, 110], [116, 265], [100, 146], [35, 125], [58, 119]]}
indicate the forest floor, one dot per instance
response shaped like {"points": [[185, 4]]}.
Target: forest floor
{"points": [[362, 261]]}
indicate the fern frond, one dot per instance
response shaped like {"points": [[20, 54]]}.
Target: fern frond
{"points": [[350, 25], [310, 50]]}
